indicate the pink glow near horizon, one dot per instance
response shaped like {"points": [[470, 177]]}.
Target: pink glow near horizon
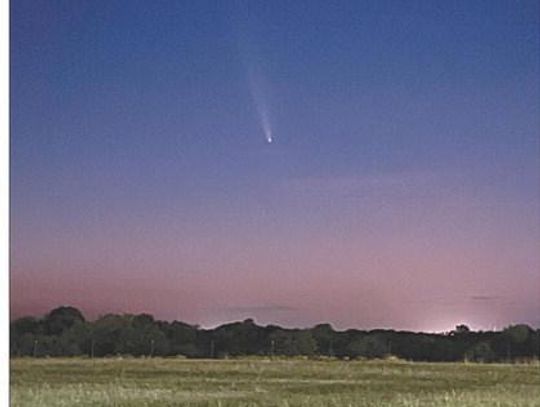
{"points": [[415, 271]]}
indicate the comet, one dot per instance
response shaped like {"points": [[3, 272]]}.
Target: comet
{"points": [[258, 95], [253, 64]]}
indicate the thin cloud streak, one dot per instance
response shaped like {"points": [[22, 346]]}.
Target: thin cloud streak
{"points": [[260, 308]]}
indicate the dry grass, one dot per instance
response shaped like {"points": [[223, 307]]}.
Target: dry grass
{"points": [[177, 382]]}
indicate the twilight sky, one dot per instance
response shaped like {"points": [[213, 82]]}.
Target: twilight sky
{"points": [[401, 187]]}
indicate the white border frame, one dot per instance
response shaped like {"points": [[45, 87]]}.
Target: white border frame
{"points": [[4, 202]]}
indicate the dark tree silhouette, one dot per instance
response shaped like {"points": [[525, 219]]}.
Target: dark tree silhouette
{"points": [[61, 319], [65, 332]]}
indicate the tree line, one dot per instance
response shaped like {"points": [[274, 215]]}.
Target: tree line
{"points": [[64, 331]]}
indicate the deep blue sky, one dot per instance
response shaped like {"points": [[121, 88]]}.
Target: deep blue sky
{"points": [[405, 167]]}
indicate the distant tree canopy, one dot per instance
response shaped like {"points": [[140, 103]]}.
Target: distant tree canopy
{"points": [[461, 330], [61, 319], [65, 332]]}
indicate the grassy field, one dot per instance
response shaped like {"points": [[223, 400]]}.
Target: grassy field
{"points": [[176, 382]]}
